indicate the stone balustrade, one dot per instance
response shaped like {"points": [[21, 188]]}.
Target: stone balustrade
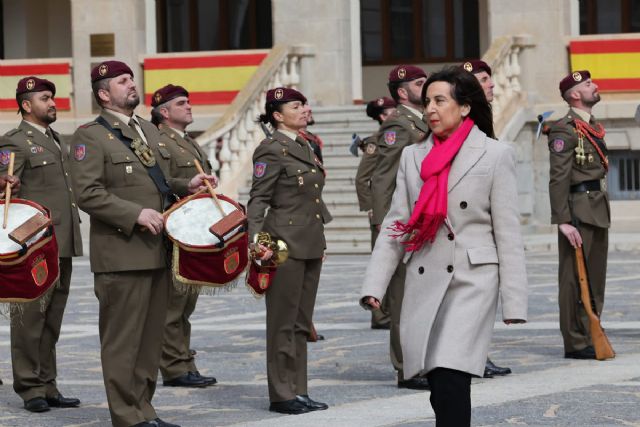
{"points": [[232, 139]]}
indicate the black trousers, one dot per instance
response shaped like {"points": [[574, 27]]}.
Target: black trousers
{"points": [[450, 397]]}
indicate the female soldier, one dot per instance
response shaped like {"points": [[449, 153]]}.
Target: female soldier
{"points": [[287, 180], [454, 218]]}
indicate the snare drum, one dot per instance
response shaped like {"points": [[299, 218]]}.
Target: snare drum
{"points": [[199, 257], [26, 271]]}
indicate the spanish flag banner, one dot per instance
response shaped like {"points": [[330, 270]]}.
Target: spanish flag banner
{"points": [[57, 72], [212, 79], [614, 64]]}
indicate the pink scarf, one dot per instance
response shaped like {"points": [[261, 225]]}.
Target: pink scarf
{"points": [[431, 208]]}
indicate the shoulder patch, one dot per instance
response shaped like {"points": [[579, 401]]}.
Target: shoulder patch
{"points": [[390, 137], [12, 132], [371, 148], [80, 152], [557, 145], [5, 155], [259, 169]]}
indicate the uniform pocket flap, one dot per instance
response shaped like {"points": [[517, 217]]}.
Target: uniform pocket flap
{"points": [[296, 170], [483, 255], [42, 160], [122, 157], [292, 219], [164, 153], [184, 162]]}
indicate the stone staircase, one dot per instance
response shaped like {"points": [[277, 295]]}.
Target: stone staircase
{"points": [[349, 232]]}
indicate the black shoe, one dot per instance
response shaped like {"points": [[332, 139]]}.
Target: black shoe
{"points": [[63, 402], [313, 405], [161, 423], [185, 380], [292, 407], [491, 370], [192, 352], [415, 383], [37, 404], [0, 382], [207, 380], [586, 353], [386, 326]]}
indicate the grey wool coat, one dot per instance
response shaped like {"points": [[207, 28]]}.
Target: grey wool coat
{"points": [[453, 284]]}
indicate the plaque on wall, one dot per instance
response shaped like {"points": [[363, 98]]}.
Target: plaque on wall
{"points": [[103, 44]]}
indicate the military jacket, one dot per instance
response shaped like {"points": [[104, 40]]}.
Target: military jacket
{"points": [[44, 171], [287, 184], [365, 171], [183, 150], [591, 207], [113, 186], [401, 129]]}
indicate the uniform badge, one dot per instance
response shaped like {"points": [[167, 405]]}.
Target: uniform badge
{"points": [[558, 145], [34, 150], [468, 67], [300, 181], [80, 152], [39, 270], [4, 157], [157, 98], [103, 69], [278, 94], [390, 137], [371, 148], [110, 135], [128, 169], [402, 73], [259, 169], [577, 76], [31, 84], [380, 102]]}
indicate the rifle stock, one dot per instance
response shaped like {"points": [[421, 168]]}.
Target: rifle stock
{"points": [[601, 343]]}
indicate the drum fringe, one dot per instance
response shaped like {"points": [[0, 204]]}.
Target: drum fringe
{"points": [[190, 289]]}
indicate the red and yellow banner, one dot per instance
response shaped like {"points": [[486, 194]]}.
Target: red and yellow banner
{"points": [[213, 79], [614, 64], [58, 72]]}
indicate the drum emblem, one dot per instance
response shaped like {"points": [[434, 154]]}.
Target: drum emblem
{"points": [[231, 261], [263, 280], [40, 271]]}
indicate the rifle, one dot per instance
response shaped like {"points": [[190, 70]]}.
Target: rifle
{"points": [[599, 339]]}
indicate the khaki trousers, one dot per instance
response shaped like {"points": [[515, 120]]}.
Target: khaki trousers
{"points": [[133, 308], [34, 334], [289, 302], [574, 323], [176, 359]]}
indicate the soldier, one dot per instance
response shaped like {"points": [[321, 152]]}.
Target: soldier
{"points": [[378, 109], [580, 206], [172, 114], [119, 172], [42, 164], [482, 71], [288, 179], [402, 128]]}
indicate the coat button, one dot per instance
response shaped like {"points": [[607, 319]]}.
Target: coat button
{"points": [[316, 185], [420, 270], [313, 170], [317, 200], [450, 236], [318, 216], [463, 205], [449, 268]]}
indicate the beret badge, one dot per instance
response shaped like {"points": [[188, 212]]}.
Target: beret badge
{"points": [[468, 67], [30, 84], [577, 76], [279, 94], [103, 69], [402, 73]]}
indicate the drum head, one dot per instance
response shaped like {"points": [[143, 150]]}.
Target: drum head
{"points": [[19, 212], [189, 224]]}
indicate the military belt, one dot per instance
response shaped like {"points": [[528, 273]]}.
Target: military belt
{"points": [[583, 187]]}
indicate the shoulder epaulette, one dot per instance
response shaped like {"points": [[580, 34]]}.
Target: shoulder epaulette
{"points": [[89, 124], [12, 132]]}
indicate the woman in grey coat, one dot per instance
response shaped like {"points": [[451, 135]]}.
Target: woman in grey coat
{"points": [[454, 221]]}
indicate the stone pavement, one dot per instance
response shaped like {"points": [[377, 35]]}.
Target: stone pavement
{"points": [[350, 370]]}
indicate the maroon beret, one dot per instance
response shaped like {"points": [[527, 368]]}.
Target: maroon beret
{"points": [[167, 93], [285, 94], [406, 73], [476, 66], [573, 79], [109, 69], [34, 84], [383, 103]]}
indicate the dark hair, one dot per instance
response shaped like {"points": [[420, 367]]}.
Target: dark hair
{"points": [[465, 89], [374, 111], [156, 117], [23, 97], [270, 108], [96, 86]]}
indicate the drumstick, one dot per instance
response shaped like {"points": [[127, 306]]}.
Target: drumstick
{"points": [[7, 191], [210, 188]]}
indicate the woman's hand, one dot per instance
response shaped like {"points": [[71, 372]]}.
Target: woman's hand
{"points": [[371, 302], [513, 321]]}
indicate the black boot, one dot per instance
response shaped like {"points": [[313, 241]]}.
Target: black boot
{"points": [[491, 370]]}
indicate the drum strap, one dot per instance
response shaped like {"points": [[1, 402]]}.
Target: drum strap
{"points": [[154, 171]]}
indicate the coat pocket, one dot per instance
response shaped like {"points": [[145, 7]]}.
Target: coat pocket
{"points": [[122, 168], [483, 255]]}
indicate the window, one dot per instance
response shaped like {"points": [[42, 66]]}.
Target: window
{"points": [[192, 25], [397, 31], [623, 179], [609, 16]]}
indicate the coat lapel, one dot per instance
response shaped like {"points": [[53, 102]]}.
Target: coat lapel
{"points": [[38, 138], [470, 152], [116, 123], [296, 149]]}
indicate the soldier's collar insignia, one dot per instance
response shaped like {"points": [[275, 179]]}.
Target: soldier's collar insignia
{"points": [[468, 67], [577, 76]]}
